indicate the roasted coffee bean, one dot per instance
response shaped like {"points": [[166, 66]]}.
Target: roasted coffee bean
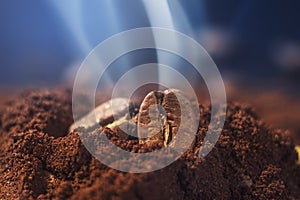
{"points": [[160, 116], [103, 114]]}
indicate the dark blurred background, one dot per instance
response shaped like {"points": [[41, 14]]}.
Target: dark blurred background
{"points": [[255, 44]]}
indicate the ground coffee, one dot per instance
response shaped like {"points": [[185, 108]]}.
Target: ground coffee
{"points": [[41, 160]]}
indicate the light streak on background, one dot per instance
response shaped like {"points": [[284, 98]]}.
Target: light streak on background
{"points": [[88, 23]]}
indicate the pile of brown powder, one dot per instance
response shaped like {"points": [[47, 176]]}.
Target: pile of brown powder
{"points": [[39, 160]]}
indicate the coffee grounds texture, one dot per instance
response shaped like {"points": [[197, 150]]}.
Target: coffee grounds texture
{"points": [[41, 160]]}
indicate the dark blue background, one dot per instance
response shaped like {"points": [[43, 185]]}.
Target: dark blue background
{"points": [[37, 45]]}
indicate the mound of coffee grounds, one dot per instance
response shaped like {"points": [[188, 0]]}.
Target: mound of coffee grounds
{"points": [[50, 112], [41, 160]]}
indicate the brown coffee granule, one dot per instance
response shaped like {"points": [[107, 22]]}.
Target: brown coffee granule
{"points": [[41, 160]]}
